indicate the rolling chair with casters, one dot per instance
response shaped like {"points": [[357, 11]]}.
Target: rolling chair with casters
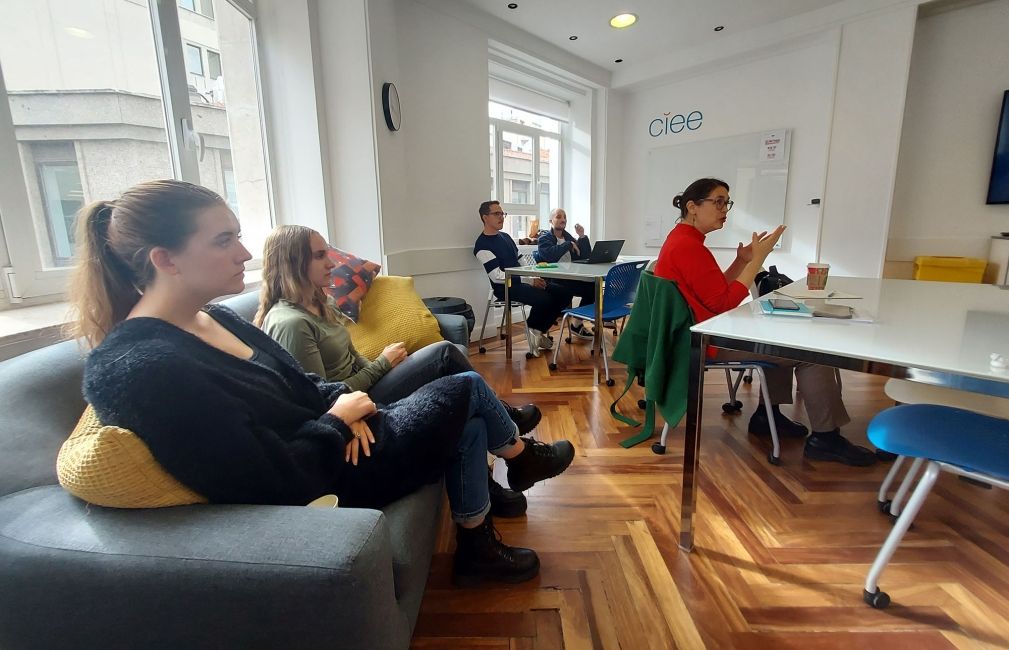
{"points": [[902, 391], [945, 439], [758, 367], [620, 285]]}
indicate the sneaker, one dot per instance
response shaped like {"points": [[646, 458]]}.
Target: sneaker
{"points": [[543, 342], [834, 447], [505, 503], [579, 331], [533, 341], [526, 417], [538, 461], [480, 556], [787, 428]]}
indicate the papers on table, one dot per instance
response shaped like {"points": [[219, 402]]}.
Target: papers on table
{"points": [[801, 293]]}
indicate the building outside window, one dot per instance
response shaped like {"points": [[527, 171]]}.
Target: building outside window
{"points": [[525, 154], [86, 112]]}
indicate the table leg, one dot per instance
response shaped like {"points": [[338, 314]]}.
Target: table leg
{"points": [[598, 342], [692, 439], [508, 316]]}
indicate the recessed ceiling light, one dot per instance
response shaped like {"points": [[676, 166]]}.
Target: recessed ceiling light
{"points": [[78, 32], [513, 5], [720, 28], [618, 60], [572, 38], [623, 20]]}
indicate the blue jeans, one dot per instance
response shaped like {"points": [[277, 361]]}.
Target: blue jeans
{"points": [[488, 429]]}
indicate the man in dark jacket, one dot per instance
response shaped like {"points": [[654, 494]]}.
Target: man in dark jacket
{"points": [[557, 245]]}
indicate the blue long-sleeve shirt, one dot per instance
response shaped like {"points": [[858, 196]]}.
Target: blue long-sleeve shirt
{"points": [[549, 249]]}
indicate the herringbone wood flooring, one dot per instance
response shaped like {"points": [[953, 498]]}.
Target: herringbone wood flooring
{"points": [[781, 552]]}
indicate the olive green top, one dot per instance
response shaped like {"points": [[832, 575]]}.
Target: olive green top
{"points": [[322, 348]]}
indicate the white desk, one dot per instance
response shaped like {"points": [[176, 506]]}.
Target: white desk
{"points": [[938, 333], [568, 271]]}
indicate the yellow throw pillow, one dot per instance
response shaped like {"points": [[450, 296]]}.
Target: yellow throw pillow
{"points": [[392, 312], [112, 467]]}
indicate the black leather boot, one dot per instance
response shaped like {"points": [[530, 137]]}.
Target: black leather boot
{"points": [[505, 503], [526, 417], [538, 461], [480, 556], [787, 428]]}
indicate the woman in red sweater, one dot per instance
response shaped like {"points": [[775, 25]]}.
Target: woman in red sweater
{"points": [[709, 291]]}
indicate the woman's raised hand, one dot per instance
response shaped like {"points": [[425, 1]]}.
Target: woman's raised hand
{"points": [[763, 243], [353, 407]]}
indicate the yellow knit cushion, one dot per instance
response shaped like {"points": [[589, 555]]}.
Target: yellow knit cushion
{"points": [[112, 467], [392, 312]]}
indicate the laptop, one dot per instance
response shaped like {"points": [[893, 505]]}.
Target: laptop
{"points": [[604, 252]]}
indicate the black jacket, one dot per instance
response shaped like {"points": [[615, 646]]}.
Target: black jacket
{"points": [[237, 431], [548, 249]]}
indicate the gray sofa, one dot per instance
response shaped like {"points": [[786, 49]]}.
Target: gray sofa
{"points": [[205, 576]]}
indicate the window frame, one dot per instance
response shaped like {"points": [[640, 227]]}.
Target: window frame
{"points": [[534, 208], [37, 282]]}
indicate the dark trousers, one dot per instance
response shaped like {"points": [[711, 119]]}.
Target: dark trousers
{"points": [[431, 362], [584, 290], [545, 305]]}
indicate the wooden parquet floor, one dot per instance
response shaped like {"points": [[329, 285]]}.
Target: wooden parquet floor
{"points": [[781, 552]]}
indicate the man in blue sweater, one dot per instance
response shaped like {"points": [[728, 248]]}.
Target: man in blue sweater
{"points": [[497, 251], [557, 245]]}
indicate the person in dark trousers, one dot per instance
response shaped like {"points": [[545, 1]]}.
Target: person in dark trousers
{"points": [[296, 312], [556, 244], [231, 415], [497, 251]]}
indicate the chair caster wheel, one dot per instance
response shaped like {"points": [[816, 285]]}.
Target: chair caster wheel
{"points": [[483, 350], [568, 340], [878, 600], [530, 355], [738, 405], [592, 352], [747, 379], [553, 366], [658, 448], [642, 404], [610, 382], [503, 337], [772, 459], [884, 506], [729, 408]]}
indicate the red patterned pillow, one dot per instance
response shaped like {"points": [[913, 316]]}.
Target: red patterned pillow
{"points": [[351, 279]]}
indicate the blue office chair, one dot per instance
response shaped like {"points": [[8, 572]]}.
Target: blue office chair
{"points": [[620, 286], [945, 439]]}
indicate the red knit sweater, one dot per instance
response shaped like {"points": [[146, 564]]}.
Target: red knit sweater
{"points": [[685, 260]]}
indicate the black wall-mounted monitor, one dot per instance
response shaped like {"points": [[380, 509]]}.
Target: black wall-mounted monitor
{"points": [[998, 186]]}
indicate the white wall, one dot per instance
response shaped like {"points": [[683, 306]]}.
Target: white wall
{"points": [[793, 90], [958, 75], [865, 135]]}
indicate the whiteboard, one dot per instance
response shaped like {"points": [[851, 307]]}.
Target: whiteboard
{"points": [[755, 165]]}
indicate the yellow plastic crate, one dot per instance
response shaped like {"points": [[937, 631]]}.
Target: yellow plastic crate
{"points": [[949, 269]]}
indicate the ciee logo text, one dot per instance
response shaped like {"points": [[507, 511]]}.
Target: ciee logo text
{"points": [[670, 123]]}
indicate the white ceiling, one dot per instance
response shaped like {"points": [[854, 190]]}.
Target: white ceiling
{"points": [[663, 28]]}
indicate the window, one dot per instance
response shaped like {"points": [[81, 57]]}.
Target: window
{"points": [[525, 154], [88, 90]]}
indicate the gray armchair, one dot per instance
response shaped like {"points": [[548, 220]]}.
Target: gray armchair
{"points": [[204, 576]]}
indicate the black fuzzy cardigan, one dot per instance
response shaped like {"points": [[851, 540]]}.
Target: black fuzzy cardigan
{"points": [[236, 431]]}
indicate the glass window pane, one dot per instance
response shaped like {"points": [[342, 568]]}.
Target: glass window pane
{"points": [[85, 95], [517, 167], [550, 175], [519, 116], [227, 113], [493, 164], [188, 4]]}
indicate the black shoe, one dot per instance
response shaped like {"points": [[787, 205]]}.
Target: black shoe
{"points": [[579, 331], [835, 447], [526, 417], [538, 461], [885, 456], [787, 428], [505, 503], [480, 556]]}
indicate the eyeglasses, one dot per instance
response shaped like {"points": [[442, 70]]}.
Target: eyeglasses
{"points": [[498, 214], [720, 203]]}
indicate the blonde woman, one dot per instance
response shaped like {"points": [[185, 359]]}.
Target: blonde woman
{"points": [[296, 312]]}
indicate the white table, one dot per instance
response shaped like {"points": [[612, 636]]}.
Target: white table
{"points": [[938, 333], [568, 271]]}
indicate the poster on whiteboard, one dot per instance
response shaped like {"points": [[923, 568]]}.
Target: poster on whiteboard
{"points": [[772, 147]]}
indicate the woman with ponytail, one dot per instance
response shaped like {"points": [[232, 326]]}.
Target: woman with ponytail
{"points": [[704, 207], [232, 416]]}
